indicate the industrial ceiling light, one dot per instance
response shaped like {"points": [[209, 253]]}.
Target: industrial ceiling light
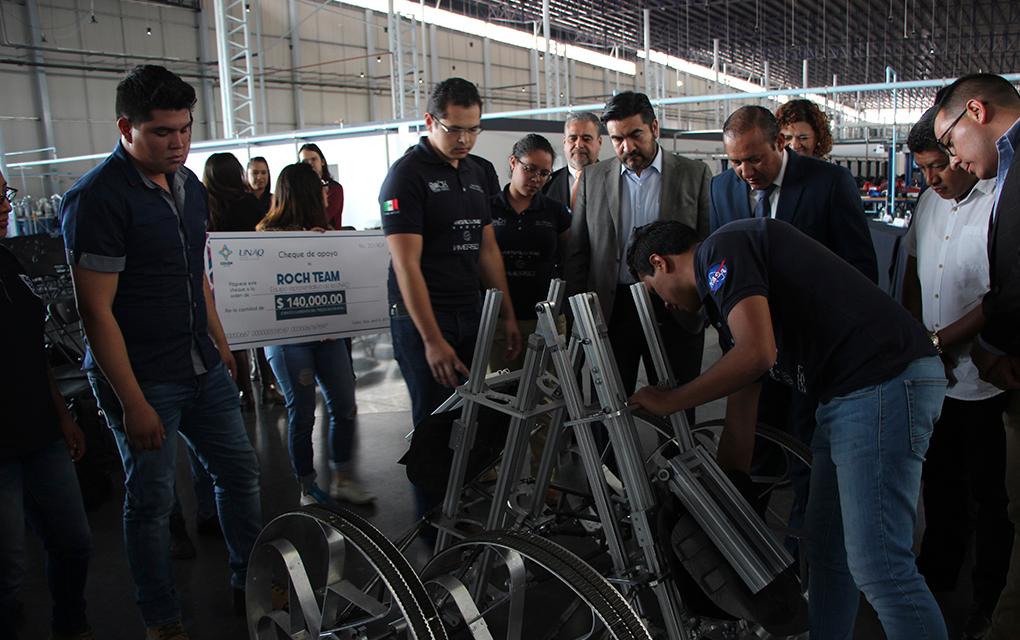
{"points": [[378, 58], [148, 31], [362, 74], [247, 7]]}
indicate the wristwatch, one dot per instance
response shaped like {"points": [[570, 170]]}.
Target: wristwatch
{"points": [[935, 340]]}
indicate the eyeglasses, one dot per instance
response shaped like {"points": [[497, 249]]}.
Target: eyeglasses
{"points": [[947, 147], [456, 131], [532, 170], [9, 193]]}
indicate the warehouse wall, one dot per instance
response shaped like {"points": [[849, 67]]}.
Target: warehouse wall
{"points": [[332, 56]]}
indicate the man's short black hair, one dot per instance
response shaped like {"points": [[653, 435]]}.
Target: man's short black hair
{"points": [[922, 134], [627, 104], [149, 87], [664, 237], [749, 118], [988, 87], [456, 91]]}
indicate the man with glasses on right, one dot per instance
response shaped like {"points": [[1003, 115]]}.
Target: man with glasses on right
{"points": [[978, 125], [435, 214]]}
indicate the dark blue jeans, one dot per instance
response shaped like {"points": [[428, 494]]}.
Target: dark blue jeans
{"points": [[42, 488], [297, 368], [460, 329], [206, 412]]}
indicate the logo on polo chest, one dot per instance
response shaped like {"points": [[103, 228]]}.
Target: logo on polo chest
{"points": [[438, 185]]}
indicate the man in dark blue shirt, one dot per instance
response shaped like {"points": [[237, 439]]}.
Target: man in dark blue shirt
{"points": [[157, 358], [871, 365], [435, 214]]}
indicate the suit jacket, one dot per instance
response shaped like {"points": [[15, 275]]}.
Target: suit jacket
{"points": [[817, 197], [558, 186], [1002, 302], [593, 256]]}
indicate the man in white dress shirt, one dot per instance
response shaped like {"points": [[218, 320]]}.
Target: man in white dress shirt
{"points": [[946, 278]]}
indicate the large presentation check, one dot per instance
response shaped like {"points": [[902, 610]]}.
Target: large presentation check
{"points": [[282, 287]]}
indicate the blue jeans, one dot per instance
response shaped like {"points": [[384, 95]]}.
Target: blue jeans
{"points": [[42, 488], [460, 329], [206, 412], [202, 484], [297, 368], [868, 450]]}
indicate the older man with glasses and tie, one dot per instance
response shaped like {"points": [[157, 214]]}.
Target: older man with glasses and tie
{"points": [[978, 126]]}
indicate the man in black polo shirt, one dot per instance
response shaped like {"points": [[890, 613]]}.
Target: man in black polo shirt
{"points": [[871, 365], [157, 358], [435, 213]]}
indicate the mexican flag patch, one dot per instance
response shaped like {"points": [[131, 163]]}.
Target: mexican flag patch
{"points": [[390, 206]]}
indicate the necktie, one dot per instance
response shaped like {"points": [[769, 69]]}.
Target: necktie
{"points": [[762, 208], [573, 191]]}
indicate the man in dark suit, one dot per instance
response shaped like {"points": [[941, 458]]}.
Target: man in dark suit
{"points": [[643, 183], [582, 142], [978, 125], [766, 179]]}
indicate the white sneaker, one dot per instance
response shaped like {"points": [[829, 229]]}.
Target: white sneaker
{"points": [[315, 495], [350, 491]]}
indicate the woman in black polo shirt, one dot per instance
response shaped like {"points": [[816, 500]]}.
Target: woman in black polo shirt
{"points": [[39, 441], [531, 231]]}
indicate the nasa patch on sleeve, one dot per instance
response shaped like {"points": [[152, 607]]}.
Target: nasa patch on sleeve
{"points": [[717, 275]]}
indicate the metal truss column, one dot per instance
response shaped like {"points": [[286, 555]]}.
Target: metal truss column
{"points": [[237, 88], [42, 89], [205, 83], [370, 55], [550, 63], [434, 57], [404, 60], [647, 28], [487, 71], [536, 89], [295, 63], [263, 98]]}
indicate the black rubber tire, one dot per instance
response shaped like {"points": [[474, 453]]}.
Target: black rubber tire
{"points": [[391, 566], [594, 590], [770, 434]]}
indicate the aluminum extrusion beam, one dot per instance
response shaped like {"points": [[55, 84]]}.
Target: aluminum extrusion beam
{"points": [[237, 87]]}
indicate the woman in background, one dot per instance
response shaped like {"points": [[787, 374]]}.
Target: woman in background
{"points": [[299, 205], [260, 183], [311, 155], [806, 128], [232, 208]]}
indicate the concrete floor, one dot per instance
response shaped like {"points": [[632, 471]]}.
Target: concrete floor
{"points": [[383, 420]]}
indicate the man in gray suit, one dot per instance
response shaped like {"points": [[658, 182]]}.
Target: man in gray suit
{"points": [[642, 184], [582, 141]]}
